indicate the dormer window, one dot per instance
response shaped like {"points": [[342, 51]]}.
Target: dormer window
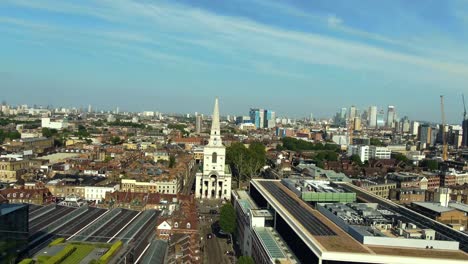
{"points": [[176, 225], [188, 225]]}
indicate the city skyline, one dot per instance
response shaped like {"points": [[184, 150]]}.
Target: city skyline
{"points": [[293, 57]]}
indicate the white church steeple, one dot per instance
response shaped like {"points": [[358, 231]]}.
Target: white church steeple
{"points": [[215, 180], [215, 135]]}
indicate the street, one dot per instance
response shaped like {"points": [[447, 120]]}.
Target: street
{"points": [[214, 249]]}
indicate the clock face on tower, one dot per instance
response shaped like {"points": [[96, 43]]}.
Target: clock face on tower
{"points": [[215, 142]]}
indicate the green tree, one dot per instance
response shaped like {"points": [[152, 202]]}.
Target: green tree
{"points": [[237, 158], [48, 132], [245, 260], [227, 218], [10, 135], [116, 140], [302, 145], [401, 157], [256, 154], [430, 164], [376, 142], [246, 162], [356, 159], [172, 161]]}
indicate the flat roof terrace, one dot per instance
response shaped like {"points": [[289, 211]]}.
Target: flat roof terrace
{"points": [[327, 235], [331, 242]]}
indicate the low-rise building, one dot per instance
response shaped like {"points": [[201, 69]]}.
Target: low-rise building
{"points": [[12, 169], [366, 152], [172, 186], [54, 124], [377, 186], [36, 145], [30, 196], [443, 214], [407, 195], [98, 193]]}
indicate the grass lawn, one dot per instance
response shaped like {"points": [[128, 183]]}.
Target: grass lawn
{"points": [[80, 253]]}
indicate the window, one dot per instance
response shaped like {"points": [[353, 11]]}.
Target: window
{"points": [[176, 225], [214, 157], [188, 225]]}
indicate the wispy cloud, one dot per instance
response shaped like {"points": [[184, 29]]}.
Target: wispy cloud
{"points": [[249, 43]]}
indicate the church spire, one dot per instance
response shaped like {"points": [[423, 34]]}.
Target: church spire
{"points": [[215, 135]]}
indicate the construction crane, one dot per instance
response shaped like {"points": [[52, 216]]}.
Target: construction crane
{"points": [[444, 136]]}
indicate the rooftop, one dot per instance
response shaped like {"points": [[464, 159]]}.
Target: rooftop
{"points": [[436, 207], [322, 235], [459, 206], [267, 239], [8, 208]]}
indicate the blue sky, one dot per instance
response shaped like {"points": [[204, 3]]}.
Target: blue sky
{"points": [[295, 57]]}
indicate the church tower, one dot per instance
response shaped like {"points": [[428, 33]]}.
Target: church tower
{"points": [[215, 180]]}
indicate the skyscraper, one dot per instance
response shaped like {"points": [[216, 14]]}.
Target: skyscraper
{"points": [[198, 124], [343, 113], [464, 142], [390, 116], [414, 128], [256, 116], [380, 118], [425, 134], [262, 118], [352, 113], [465, 133], [357, 124], [372, 116]]}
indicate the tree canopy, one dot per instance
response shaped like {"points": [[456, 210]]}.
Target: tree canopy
{"points": [[49, 132], [356, 159], [116, 140], [246, 162], [302, 145], [376, 142], [429, 164], [10, 135], [245, 260], [172, 161], [227, 218], [401, 157]]}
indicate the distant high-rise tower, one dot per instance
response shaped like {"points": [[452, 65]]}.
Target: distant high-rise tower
{"points": [[90, 109], [464, 126], [390, 115], [198, 124], [380, 118], [343, 113], [262, 118], [425, 134], [352, 113], [215, 180], [357, 124], [372, 116], [465, 133]]}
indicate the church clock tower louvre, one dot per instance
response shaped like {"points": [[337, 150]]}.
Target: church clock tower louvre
{"points": [[215, 180]]}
